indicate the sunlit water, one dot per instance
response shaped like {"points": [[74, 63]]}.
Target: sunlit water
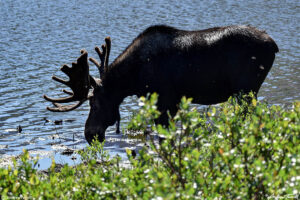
{"points": [[37, 37]]}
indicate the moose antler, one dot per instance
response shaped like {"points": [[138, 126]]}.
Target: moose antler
{"points": [[79, 82], [104, 57]]}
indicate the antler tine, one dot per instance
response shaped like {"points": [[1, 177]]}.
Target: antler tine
{"points": [[62, 108], [104, 57], [68, 92], [107, 52], [101, 56], [60, 80], [79, 82], [60, 100]]}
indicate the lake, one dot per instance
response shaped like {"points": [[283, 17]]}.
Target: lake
{"points": [[38, 37]]}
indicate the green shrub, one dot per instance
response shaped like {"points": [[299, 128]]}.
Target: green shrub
{"points": [[245, 150]]}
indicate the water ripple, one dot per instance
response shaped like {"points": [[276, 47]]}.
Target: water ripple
{"points": [[37, 37]]}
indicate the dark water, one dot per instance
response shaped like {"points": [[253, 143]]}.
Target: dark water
{"points": [[37, 37]]}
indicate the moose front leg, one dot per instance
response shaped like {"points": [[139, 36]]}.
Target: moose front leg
{"points": [[118, 126], [118, 122]]}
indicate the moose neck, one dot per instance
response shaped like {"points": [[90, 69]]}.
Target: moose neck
{"points": [[118, 82]]}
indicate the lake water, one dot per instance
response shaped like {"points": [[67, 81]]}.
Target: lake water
{"points": [[37, 37]]}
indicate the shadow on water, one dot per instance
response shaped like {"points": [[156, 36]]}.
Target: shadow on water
{"points": [[37, 37]]}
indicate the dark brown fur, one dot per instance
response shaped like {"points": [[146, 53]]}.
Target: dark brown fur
{"points": [[208, 65]]}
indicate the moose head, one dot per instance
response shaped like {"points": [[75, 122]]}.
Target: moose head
{"points": [[103, 112]]}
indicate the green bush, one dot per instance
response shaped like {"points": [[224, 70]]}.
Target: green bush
{"points": [[241, 149], [234, 151]]}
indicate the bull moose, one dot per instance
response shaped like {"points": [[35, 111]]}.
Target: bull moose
{"points": [[208, 65]]}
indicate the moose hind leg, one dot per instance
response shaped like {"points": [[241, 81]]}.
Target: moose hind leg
{"points": [[164, 109], [164, 120]]}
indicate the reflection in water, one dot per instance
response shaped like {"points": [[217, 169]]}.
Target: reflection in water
{"points": [[39, 36]]}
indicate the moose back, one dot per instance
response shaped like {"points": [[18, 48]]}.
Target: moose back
{"points": [[208, 65]]}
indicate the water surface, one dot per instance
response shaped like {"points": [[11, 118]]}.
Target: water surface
{"points": [[37, 37]]}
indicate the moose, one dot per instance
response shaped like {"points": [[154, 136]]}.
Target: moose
{"points": [[208, 65]]}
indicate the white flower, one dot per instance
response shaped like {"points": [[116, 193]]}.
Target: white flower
{"points": [[295, 192]]}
